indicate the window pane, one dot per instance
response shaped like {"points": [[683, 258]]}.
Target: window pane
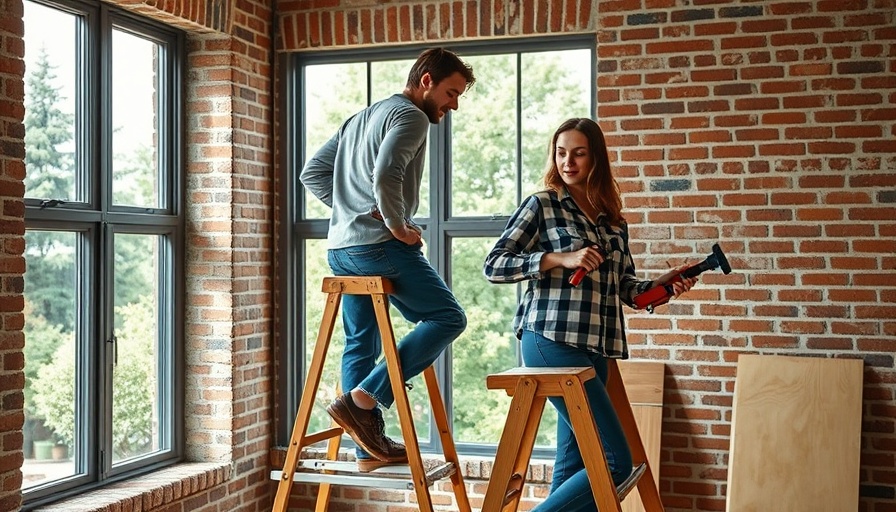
{"points": [[50, 442], [135, 401], [487, 345], [388, 78], [333, 92], [50, 77], [135, 135], [483, 141], [557, 87]]}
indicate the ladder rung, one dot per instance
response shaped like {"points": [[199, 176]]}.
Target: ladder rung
{"points": [[514, 488], [322, 435], [359, 480], [348, 475], [351, 467]]}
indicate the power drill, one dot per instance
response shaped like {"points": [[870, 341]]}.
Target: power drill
{"points": [[660, 294]]}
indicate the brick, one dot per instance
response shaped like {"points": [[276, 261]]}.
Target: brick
{"points": [[692, 15]]}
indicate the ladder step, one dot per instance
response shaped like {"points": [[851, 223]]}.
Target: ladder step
{"points": [[629, 483], [322, 435], [346, 473], [352, 467], [514, 488]]}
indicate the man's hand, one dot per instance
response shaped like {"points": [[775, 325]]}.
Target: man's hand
{"points": [[407, 235]]}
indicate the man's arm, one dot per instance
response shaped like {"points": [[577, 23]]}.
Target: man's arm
{"points": [[317, 176], [401, 143]]}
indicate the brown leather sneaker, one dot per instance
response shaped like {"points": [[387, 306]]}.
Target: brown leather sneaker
{"points": [[367, 429], [368, 465]]}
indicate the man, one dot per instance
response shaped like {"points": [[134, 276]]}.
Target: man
{"points": [[370, 173]]}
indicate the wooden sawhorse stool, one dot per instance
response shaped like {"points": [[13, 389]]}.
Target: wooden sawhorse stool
{"points": [[530, 388], [328, 472]]}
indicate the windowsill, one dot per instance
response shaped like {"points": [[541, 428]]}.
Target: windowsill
{"points": [[147, 492], [475, 467]]}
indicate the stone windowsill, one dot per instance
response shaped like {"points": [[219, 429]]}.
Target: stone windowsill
{"points": [[147, 492]]}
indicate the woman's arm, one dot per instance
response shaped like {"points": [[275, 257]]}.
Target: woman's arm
{"points": [[514, 257]]}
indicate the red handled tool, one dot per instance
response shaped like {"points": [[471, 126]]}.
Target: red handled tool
{"points": [[580, 272], [659, 295]]}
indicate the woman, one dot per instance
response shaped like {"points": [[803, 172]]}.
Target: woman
{"points": [[576, 224]]}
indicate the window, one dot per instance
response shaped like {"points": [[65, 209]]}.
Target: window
{"points": [[103, 282], [482, 161]]}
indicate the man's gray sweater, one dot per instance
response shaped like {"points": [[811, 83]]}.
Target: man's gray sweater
{"points": [[374, 160]]}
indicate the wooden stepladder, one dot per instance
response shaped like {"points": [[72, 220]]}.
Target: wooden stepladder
{"points": [[329, 471], [530, 388]]}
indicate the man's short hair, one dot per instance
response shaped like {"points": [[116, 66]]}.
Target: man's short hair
{"points": [[440, 64]]}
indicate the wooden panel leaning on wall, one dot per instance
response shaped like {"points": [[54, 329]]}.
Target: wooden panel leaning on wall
{"points": [[644, 386], [796, 434]]}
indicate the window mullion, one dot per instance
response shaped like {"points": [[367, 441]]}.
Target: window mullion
{"points": [[100, 409]]}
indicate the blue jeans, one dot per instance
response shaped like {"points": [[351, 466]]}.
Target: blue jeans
{"points": [[420, 295], [570, 488]]}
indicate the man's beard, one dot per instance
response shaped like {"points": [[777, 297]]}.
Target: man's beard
{"points": [[431, 110]]}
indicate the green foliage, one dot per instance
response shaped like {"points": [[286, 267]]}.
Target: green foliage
{"points": [[133, 388], [47, 131], [50, 277], [133, 391], [134, 261], [134, 180], [49, 175], [42, 340], [54, 392]]}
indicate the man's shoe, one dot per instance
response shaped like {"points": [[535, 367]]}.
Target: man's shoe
{"points": [[368, 465], [366, 427]]}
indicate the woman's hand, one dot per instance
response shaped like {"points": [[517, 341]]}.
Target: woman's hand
{"points": [[588, 258], [678, 287]]}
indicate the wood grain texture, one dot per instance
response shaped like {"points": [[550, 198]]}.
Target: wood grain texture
{"points": [[796, 433], [644, 386]]}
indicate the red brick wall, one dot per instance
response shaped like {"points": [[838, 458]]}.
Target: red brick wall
{"points": [[229, 202], [767, 126], [12, 247], [328, 24]]}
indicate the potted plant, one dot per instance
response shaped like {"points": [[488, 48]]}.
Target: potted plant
{"points": [[59, 451]]}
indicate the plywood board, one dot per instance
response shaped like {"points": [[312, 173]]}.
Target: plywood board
{"points": [[644, 386], [796, 434]]}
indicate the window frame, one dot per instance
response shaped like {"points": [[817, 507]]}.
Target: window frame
{"points": [[441, 226], [96, 220]]}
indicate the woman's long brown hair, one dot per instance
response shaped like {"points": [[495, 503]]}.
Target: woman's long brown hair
{"points": [[600, 186]]}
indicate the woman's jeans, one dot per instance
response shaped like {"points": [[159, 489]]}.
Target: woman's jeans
{"points": [[420, 295], [570, 488]]}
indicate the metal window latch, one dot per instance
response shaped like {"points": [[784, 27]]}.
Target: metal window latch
{"points": [[50, 203], [114, 341]]}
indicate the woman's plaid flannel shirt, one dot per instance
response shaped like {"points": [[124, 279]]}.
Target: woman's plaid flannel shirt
{"points": [[588, 316]]}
